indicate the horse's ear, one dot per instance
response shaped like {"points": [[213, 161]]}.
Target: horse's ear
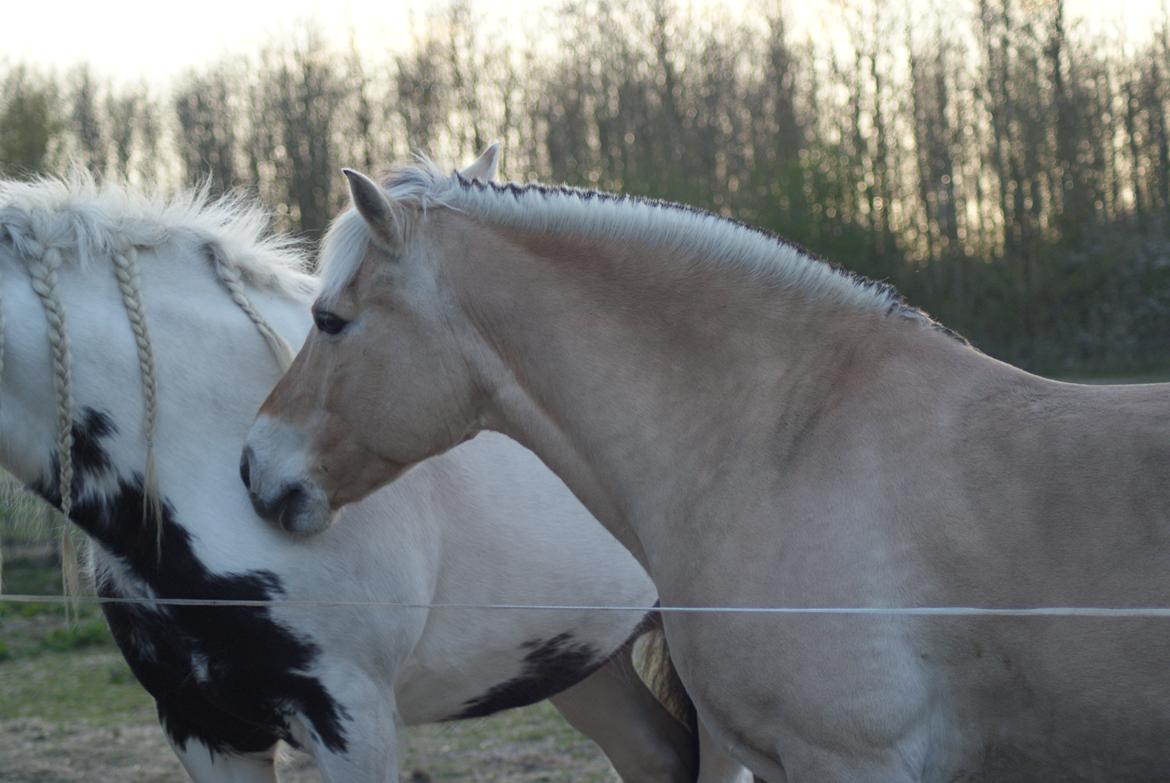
{"points": [[484, 168], [375, 207]]}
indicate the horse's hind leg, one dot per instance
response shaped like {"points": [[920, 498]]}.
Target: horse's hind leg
{"points": [[207, 766], [643, 741]]}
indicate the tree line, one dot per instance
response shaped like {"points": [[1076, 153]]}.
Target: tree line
{"points": [[1006, 168]]}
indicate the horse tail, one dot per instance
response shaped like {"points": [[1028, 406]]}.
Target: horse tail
{"points": [[651, 658]]}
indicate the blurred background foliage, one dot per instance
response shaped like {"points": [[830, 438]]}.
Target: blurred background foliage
{"points": [[1007, 169]]}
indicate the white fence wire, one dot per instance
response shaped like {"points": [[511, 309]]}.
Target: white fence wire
{"points": [[908, 611]]}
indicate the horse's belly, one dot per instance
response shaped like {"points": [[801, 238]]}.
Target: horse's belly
{"points": [[934, 699], [1064, 698], [466, 668]]}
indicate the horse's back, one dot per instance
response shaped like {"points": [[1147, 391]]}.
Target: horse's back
{"points": [[1066, 494], [980, 484]]}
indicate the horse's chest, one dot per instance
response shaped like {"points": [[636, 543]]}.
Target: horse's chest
{"points": [[230, 677], [202, 691]]}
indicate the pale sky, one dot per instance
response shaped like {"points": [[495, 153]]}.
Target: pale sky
{"points": [[153, 40], [133, 40]]}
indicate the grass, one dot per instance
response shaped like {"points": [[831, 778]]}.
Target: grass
{"points": [[33, 628], [50, 668], [58, 670], [91, 683], [533, 743]]}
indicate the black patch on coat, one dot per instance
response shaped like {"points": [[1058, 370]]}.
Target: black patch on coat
{"points": [[89, 458], [226, 676], [550, 667]]}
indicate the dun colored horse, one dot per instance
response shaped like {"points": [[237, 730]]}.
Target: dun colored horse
{"points": [[761, 430]]}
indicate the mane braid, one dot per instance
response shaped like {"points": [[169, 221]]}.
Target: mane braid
{"points": [[43, 277], [230, 277], [87, 221], [125, 258]]}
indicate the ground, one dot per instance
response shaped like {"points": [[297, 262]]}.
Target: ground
{"points": [[71, 711], [523, 746]]}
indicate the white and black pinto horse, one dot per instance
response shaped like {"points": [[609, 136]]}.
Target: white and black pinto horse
{"points": [[130, 342]]}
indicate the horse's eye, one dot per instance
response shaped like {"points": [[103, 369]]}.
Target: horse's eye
{"points": [[328, 322]]}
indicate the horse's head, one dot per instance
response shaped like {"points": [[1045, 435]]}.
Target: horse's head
{"points": [[385, 380]]}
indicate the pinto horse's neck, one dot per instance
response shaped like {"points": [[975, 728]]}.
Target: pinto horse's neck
{"points": [[626, 366], [200, 339]]}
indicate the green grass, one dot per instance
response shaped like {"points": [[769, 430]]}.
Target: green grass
{"points": [[530, 743], [92, 685], [77, 636], [31, 576], [29, 629], [50, 668]]}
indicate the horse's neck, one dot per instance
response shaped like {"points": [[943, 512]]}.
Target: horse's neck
{"points": [[215, 364], [625, 371], [213, 368]]}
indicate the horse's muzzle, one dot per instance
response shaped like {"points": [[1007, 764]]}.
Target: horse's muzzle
{"points": [[287, 510]]}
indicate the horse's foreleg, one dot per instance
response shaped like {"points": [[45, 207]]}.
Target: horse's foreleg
{"points": [[187, 718], [369, 752], [717, 766], [643, 741], [207, 766], [368, 759]]}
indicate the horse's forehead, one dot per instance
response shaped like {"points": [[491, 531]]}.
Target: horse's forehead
{"points": [[343, 249]]}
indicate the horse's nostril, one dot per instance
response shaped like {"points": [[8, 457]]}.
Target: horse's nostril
{"points": [[290, 506], [245, 468]]}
